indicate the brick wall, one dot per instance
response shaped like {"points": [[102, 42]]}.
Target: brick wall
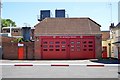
{"points": [[98, 44], [10, 49], [37, 48]]}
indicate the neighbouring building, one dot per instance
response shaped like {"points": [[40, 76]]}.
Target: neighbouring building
{"points": [[16, 32], [115, 40], [12, 48], [105, 43], [68, 38], [15, 50]]}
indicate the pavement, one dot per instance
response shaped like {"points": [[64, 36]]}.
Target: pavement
{"points": [[58, 69], [92, 62]]}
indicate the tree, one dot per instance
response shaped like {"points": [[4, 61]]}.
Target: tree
{"points": [[7, 23]]}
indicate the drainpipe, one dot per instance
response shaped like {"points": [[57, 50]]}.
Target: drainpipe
{"points": [[109, 50]]}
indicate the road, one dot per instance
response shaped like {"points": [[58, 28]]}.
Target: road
{"points": [[58, 69]]}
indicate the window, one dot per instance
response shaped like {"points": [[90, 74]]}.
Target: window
{"points": [[51, 42], [7, 31], [45, 42], [84, 42], [44, 46], [63, 46], [63, 42], [72, 42], [50, 49], [57, 50], [72, 46], [72, 49], [44, 49], [15, 30], [57, 46], [90, 45], [78, 49], [57, 42], [63, 49], [78, 42], [90, 42], [51, 46], [90, 49]]}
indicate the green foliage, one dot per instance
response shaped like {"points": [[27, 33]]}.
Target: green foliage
{"points": [[7, 22], [18, 40]]}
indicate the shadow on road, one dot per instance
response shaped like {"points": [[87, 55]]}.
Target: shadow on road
{"points": [[107, 61]]}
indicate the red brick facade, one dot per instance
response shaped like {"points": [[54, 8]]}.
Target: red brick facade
{"points": [[10, 49]]}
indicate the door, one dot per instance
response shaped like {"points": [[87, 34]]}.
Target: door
{"points": [[88, 48], [20, 52], [54, 49], [75, 48], [83, 48], [68, 47], [104, 52]]}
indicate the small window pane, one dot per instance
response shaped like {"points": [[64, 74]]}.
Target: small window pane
{"points": [[50, 49], [78, 42], [90, 45], [72, 49], [57, 42], [45, 46], [57, 46], [51, 46], [72, 46], [90, 49], [57, 50], [44, 49], [63, 42], [45, 42], [63, 46], [51, 42], [90, 42], [63, 49], [72, 42], [84, 42], [78, 49]]}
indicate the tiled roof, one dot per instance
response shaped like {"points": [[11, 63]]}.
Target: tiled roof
{"points": [[67, 26], [105, 35], [118, 25]]}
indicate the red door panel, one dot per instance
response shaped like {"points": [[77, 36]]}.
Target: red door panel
{"points": [[88, 48], [75, 48], [104, 52], [82, 48], [54, 49], [68, 47], [20, 53]]}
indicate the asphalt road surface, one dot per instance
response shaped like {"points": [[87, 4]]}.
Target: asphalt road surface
{"points": [[58, 69]]}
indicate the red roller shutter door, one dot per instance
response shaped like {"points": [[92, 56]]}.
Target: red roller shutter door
{"points": [[54, 49], [68, 48], [82, 48]]}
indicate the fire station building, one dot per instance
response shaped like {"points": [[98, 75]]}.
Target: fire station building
{"points": [[67, 38]]}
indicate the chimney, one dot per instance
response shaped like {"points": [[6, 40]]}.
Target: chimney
{"points": [[112, 25]]}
